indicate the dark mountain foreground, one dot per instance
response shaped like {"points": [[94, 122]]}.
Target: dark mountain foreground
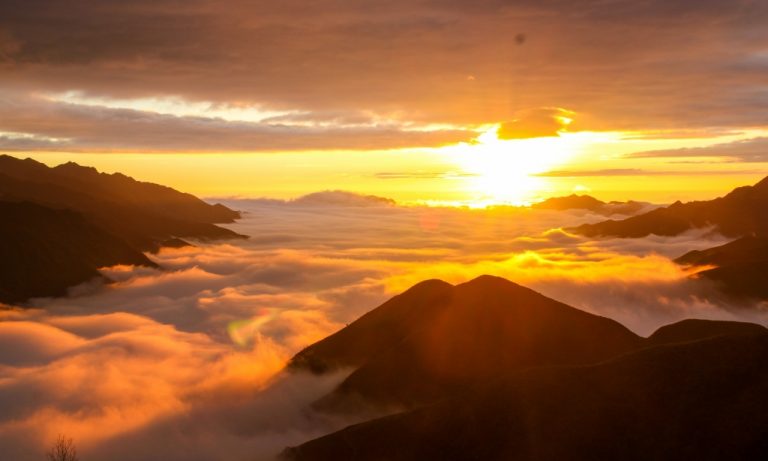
{"points": [[737, 214], [61, 224], [491, 370], [436, 338]]}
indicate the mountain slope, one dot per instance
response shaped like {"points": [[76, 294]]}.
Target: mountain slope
{"points": [[704, 399], [142, 214], [61, 224], [751, 248], [737, 214], [44, 251], [742, 268], [437, 339]]}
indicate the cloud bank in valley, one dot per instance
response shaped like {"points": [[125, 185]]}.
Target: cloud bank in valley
{"points": [[185, 363]]}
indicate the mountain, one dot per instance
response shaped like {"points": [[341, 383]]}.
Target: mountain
{"points": [[436, 339], [751, 248], [737, 214], [61, 224], [705, 399], [586, 202], [491, 370], [44, 251], [696, 329], [741, 267], [143, 214]]}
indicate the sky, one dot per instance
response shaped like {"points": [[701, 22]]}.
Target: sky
{"points": [[426, 101], [438, 108]]}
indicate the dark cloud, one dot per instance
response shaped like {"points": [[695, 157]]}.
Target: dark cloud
{"points": [[748, 150], [620, 65], [54, 126]]}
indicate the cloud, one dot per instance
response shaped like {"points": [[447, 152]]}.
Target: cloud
{"points": [[45, 125], [640, 172], [536, 123], [747, 150], [185, 363], [620, 65]]}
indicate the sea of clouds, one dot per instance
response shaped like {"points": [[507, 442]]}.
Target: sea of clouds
{"points": [[185, 363]]}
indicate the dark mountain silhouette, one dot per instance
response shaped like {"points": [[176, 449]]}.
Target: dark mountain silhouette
{"points": [[142, 214], [739, 282], [742, 267], [44, 251], [697, 329], [705, 399], [737, 214], [435, 339], [61, 224], [491, 370], [747, 249], [118, 188], [586, 202]]}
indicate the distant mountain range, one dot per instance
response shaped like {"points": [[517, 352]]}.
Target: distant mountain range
{"points": [[587, 202], [62, 223], [491, 370], [737, 214], [740, 269]]}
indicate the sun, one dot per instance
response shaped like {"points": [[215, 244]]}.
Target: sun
{"points": [[505, 171]]}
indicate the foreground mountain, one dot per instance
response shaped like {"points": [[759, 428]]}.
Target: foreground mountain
{"points": [[739, 213], [741, 271], [492, 370], [704, 399], [435, 339], [587, 202], [44, 251], [61, 224]]}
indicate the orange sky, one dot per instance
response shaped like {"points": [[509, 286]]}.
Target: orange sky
{"points": [[654, 100]]}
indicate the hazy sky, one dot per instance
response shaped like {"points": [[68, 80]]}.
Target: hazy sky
{"points": [[257, 98]]}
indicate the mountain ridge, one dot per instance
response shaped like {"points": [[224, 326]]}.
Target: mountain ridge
{"points": [[606, 407], [124, 217]]}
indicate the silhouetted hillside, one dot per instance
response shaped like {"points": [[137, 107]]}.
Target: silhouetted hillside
{"points": [[705, 399], [697, 329], [61, 224], [739, 213], [435, 339], [118, 188], [44, 251], [742, 267], [142, 214], [491, 370], [743, 250], [586, 202]]}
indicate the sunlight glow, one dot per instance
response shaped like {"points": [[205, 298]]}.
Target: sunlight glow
{"points": [[504, 171]]}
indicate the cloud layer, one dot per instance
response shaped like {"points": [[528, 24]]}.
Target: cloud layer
{"points": [[184, 364], [338, 74]]}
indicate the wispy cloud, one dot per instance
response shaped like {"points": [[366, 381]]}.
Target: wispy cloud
{"points": [[748, 150], [642, 172]]}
